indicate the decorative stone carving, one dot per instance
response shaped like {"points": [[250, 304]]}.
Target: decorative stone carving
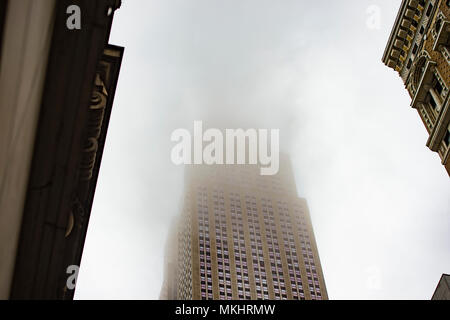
{"points": [[94, 128]]}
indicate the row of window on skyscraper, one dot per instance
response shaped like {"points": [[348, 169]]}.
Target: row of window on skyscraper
{"points": [[248, 243]]}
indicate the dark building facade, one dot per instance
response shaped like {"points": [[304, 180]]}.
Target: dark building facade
{"points": [[57, 87]]}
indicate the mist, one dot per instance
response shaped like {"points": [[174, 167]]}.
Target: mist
{"points": [[379, 199]]}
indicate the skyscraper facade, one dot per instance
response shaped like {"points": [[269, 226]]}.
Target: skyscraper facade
{"points": [[419, 50], [244, 236]]}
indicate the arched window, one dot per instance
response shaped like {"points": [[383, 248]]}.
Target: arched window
{"points": [[438, 25]]}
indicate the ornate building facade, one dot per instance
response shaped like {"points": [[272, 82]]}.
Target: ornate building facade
{"points": [[419, 50], [243, 236]]}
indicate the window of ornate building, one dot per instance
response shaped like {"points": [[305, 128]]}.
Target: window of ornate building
{"points": [[422, 30], [438, 89], [447, 137], [431, 101], [429, 10], [437, 86], [438, 25]]}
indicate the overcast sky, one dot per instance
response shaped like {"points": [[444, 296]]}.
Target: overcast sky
{"points": [[379, 198]]}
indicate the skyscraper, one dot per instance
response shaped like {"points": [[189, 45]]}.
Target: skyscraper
{"points": [[244, 236], [419, 50]]}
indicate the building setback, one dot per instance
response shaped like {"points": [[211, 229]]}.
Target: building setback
{"points": [[418, 49], [244, 236]]}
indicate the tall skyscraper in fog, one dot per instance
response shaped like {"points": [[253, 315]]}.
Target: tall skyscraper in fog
{"points": [[242, 236]]}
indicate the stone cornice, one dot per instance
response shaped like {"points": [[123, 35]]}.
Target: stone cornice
{"points": [[400, 39]]}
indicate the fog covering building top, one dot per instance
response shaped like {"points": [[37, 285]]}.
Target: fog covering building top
{"points": [[243, 236]]}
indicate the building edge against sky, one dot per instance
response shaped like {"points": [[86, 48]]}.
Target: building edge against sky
{"points": [[242, 236], [419, 50], [57, 88], [442, 291]]}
